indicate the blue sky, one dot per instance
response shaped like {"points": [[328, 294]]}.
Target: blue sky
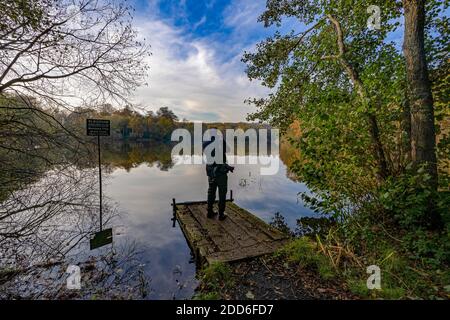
{"points": [[218, 21], [195, 67], [197, 46]]}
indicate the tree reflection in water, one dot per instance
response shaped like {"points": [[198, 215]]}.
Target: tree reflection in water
{"points": [[305, 226], [46, 226], [131, 155]]}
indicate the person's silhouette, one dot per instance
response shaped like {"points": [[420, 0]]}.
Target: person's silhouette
{"points": [[217, 179]]}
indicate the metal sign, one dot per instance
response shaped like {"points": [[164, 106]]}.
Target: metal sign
{"points": [[98, 127], [101, 239]]}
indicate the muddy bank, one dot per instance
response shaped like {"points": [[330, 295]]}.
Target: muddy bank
{"points": [[108, 277], [271, 278]]}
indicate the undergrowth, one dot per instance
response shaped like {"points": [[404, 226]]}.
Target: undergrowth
{"points": [[214, 278]]}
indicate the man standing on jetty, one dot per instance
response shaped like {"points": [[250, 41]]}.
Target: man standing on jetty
{"points": [[216, 170]]}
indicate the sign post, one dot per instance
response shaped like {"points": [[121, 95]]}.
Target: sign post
{"points": [[99, 127], [100, 182]]}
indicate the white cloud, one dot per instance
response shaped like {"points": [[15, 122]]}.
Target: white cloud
{"points": [[199, 23], [188, 76], [244, 14]]}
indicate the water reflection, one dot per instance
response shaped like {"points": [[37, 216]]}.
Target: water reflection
{"points": [[50, 217], [45, 227], [143, 190], [149, 259], [130, 155]]}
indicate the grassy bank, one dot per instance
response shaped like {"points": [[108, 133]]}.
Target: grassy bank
{"points": [[323, 269]]}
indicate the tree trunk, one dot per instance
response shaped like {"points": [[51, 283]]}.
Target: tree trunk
{"points": [[423, 135], [406, 131], [378, 146], [371, 118]]}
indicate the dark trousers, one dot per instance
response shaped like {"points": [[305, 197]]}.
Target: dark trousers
{"points": [[217, 183]]}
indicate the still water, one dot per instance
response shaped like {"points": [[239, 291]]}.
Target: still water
{"points": [[149, 257], [143, 188]]}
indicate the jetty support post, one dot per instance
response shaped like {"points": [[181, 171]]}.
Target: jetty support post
{"points": [[174, 209]]}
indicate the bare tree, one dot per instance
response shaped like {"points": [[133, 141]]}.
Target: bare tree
{"points": [[68, 52], [56, 55], [61, 54]]}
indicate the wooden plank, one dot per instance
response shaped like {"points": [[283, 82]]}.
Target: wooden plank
{"points": [[264, 227], [239, 232], [240, 236], [236, 230], [245, 253], [251, 229], [198, 202], [219, 235], [199, 242]]}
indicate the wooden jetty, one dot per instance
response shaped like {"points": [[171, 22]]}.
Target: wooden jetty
{"points": [[240, 236]]}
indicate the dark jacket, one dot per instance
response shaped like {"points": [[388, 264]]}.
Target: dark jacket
{"points": [[215, 170]]}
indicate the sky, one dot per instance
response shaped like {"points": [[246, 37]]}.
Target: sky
{"points": [[197, 46]]}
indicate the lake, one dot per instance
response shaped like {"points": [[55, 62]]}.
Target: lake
{"points": [[140, 181]]}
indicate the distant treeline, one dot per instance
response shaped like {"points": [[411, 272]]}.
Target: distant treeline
{"points": [[129, 124], [35, 138]]}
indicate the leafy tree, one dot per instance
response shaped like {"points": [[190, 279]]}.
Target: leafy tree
{"points": [[346, 86], [164, 112]]}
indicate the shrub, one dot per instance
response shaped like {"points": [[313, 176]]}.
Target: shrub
{"points": [[304, 251]]}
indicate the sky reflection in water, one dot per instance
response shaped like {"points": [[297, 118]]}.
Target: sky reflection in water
{"points": [[144, 194]]}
